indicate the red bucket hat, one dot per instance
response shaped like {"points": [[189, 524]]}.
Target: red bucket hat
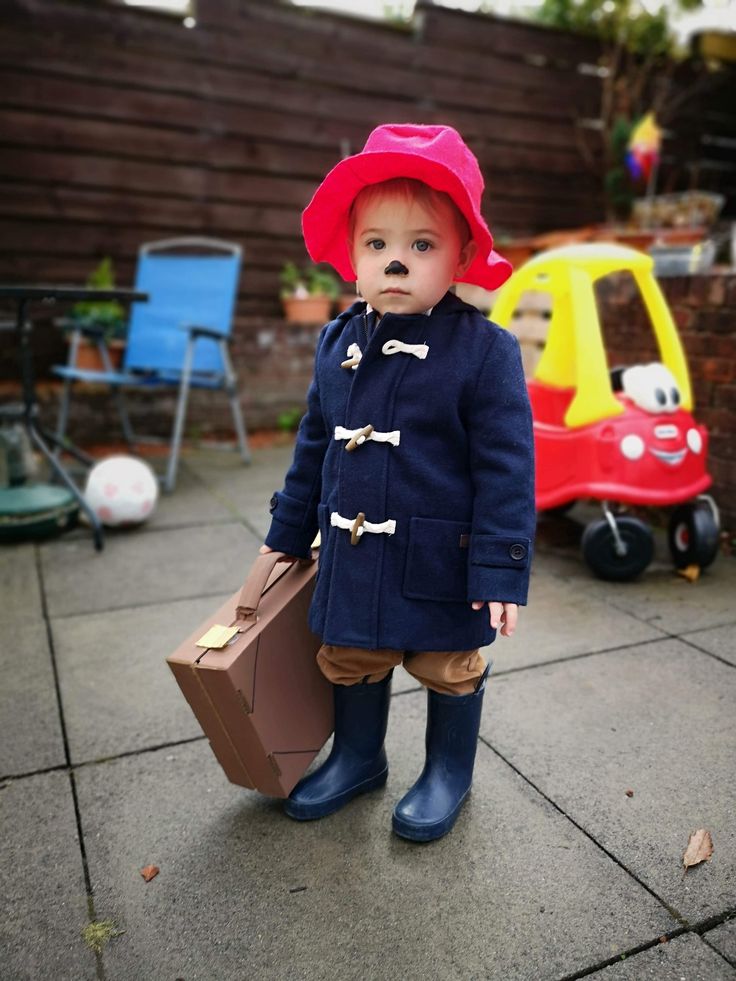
{"points": [[435, 155]]}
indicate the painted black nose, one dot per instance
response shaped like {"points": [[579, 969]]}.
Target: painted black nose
{"points": [[396, 268]]}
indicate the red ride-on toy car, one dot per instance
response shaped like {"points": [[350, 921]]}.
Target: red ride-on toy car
{"points": [[623, 435]]}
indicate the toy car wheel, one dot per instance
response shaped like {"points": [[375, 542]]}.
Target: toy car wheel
{"points": [[599, 549], [693, 535]]}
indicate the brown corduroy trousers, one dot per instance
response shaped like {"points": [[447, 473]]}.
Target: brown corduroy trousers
{"points": [[447, 672]]}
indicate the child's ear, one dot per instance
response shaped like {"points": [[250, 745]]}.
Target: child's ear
{"points": [[467, 254]]}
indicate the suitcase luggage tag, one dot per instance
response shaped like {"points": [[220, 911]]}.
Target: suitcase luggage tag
{"points": [[263, 576]]}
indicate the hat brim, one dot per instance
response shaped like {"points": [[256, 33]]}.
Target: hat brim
{"points": [[325, 219]]}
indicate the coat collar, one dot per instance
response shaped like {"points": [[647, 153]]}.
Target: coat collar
{"points": [[447, 305]]}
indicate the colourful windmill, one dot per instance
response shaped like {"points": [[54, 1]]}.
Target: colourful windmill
{"points": [[642, 156]]}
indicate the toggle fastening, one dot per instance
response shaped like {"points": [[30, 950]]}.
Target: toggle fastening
{"points": [[358, 526], [357, 439], [357, 530], [354, 356], [394, 347], [360, 436]]}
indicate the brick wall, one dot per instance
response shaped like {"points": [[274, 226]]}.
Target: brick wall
{"points": [[704, 309]]}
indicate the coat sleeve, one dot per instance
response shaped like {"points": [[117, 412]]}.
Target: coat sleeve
{"points": [[294, 509], [502, 466]]}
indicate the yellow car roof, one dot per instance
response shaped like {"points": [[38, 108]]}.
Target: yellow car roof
{"points": [[596, 258], [574, 355]]}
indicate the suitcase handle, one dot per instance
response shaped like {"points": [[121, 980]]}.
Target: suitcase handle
{"points": [[254, 585]]}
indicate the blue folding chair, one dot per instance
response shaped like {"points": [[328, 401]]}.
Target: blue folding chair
{"points": [[179, 338]]}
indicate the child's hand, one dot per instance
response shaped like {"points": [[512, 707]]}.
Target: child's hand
{"points": [[505, 614]]}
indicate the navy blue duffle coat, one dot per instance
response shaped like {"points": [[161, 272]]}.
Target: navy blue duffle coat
{"points": [[448, 472]]}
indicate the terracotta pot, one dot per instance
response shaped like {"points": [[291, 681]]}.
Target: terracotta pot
{"points": [[88, 355], [643, 238], [640, 240], [345, 300], [310, 310]]}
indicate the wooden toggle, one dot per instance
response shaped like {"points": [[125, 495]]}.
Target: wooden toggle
{"points": [[351, 362], [359, 438], [354, 531]]}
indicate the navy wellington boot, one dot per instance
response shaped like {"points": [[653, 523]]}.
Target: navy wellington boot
{"points": [[430, 808], [357, 762]]}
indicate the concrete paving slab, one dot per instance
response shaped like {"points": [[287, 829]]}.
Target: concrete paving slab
{"points": [[43, 901], [685, 957], [720, 641], [657, 719], [28, 692], [555, 624], [402, 681], [119, 694], [143, 568], [666, 600], [672, 603], [659, 597], [225, 469], [19, 587], [245, 892], [191, 502], [246, 491], [723, 938]]}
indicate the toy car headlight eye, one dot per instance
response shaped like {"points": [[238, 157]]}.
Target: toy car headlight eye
{"points": [[651, 387], [632, 447], [694, 440]]}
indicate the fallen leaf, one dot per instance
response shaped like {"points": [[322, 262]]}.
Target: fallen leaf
{"points": [[690, 572], [699, 848], [150, 872], [663, 939], [629, 793]]}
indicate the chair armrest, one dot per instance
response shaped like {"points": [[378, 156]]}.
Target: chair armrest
{"points": [[198, 330]]}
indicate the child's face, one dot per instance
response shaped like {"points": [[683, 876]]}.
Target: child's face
{"points": [[425, 242]]}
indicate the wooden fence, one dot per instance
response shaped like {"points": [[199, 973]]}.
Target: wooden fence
{"points": [[119, 127]]}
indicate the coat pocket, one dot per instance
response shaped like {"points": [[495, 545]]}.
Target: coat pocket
{"points": [[437, 560]]}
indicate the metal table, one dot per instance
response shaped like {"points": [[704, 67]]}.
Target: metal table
{"points": [[27, 413]]}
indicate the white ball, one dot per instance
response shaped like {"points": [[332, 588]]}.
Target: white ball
{"points": [[121, 490]]}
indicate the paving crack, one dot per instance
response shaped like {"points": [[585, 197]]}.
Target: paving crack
{"points": [[100, 970], [674, 913]]}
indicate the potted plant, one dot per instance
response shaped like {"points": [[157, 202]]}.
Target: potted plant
{"points": [[103, 317], [307, 294], [348, 294]]}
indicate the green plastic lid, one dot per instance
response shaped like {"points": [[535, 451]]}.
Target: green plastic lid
{"points": [[33, 511]]}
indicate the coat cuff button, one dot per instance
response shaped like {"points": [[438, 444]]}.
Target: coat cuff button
{"points": [[517, 552], [273, 503]]}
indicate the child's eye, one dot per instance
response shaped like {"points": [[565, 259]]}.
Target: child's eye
{"points": [[376, 244], [422, 245]]}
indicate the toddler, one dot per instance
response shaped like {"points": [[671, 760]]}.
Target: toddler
{"points": [[415, 460]]}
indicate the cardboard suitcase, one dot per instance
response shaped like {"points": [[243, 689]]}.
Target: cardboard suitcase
{"points": [[250, 675]]}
